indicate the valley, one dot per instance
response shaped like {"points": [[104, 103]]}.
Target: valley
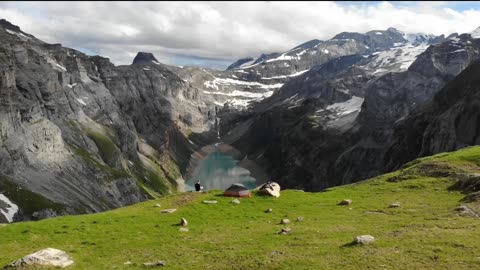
{"points": [[80, 135]]}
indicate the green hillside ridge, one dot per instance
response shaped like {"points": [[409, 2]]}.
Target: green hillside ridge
{"points": [[425, 232]]}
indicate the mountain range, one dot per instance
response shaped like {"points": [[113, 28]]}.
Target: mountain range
{"points": [[79, 134]]}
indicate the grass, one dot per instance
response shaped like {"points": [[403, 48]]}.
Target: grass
{"points": [[110, 173], [107, 149], [424, 233]]}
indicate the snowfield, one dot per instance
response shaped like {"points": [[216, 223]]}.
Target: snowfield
{"points": [[343, 108], [396, 59]]}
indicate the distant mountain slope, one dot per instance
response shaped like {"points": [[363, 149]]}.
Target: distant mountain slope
{"points": [[330, 125]]}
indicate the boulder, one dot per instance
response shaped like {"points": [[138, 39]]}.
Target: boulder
{"points": [[45, 257], [285, 231], [270, 189], [364, 239], [235, 201], [394, 205], [157, 205], [345, 202], [152, 264], [183, 222], [168, 210], [210, 202], [284, 221], [464, 210], [269, 210]]}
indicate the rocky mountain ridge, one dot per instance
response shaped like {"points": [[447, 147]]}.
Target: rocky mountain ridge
{"points": [[79, 134]]}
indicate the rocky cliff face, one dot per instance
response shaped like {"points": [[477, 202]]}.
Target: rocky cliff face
{"points": [[450, 121], [78, 134]]}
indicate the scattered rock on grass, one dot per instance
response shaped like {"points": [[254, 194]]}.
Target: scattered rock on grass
{"points": [[127, 263], [183, 229], [235, 201], [168, 210], [183, 222], [44, 257], [157, 263], [285, 231], [464, 210], [394, 205], [270, 189], [345, 202], [210, 202], [299, 219], [269, 210], [284, 221], [364, 239], [157, 205]]}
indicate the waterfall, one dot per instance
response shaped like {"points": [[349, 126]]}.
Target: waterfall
{"points": [[217, 123]]}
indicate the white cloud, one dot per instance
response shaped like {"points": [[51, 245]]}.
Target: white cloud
{"points": [[222, 30]]}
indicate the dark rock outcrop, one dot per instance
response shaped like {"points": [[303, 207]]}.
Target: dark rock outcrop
{"points": [[144, 58]]}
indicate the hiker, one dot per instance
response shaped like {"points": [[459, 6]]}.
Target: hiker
{"points": [[197, 186]]}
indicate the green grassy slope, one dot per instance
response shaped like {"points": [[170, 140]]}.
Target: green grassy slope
{"points": [[424, 233]]}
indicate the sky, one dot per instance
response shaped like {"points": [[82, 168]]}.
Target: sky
{"points": [[215, 34]]}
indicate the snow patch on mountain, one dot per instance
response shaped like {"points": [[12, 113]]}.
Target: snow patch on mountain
{"points": [[244, 94], [7, 208], [459, 50], [285, 76], [54, 64], [227, 81], [20, 35], [301, 53], [81, 101], [342, 108], [282, 57], [396, 59]]}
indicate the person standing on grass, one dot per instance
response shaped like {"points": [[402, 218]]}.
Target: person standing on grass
{"points": [[197, 186]]}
